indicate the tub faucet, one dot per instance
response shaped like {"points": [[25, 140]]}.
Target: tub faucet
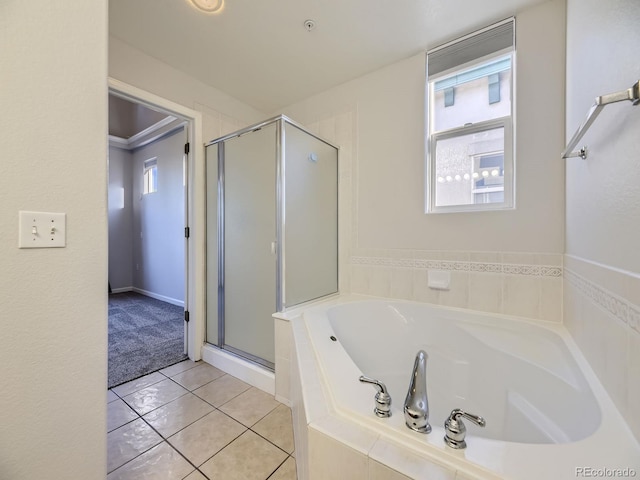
{"points": [[416, 405], [383, 399], [455, 431]]}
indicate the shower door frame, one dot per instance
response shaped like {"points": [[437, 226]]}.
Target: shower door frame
{"points": [[280, 193]]}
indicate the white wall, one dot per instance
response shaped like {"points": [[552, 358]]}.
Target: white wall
{"points": [[159, 220], [53, 361], [604, 201], [602, 265], [390, 164], [391, 234], [222, 114], [120, 219]]}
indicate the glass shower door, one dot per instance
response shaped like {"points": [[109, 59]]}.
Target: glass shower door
{"points": [[241, 249], [249, 244], [272, 232]]}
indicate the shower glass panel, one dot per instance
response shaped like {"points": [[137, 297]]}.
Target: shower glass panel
{"points": [[311, 217], [249, 242], [272, 231]]}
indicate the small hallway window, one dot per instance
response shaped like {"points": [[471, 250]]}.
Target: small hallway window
{"points": [[150, 176]]}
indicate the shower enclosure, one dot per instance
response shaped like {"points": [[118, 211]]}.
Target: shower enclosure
{"points": [[272, 231]]}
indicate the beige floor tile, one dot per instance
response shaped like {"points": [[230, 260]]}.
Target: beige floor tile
{"points": [[160, 463], [129, 441], [221, 390], [277, 427], [119, 413], [250, 406], [196, 475], [138, 384], [197, 376], [249, 457], [287, 471], [159, 394], [178, 368], [176, 415], [206, 437], [111, 397]]}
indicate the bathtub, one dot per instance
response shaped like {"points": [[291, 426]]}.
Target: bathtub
{"points": [[547, 416]]}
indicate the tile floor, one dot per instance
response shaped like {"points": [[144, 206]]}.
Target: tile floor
{"points": [[192, 421]]}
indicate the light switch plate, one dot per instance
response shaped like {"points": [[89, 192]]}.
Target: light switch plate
{"points": [[42, 230]]}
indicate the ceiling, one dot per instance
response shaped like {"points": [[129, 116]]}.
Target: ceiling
{"points": [[260, 52], [127, 119]]}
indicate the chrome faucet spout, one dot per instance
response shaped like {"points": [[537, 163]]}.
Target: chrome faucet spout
{"points": [[416, 404]]}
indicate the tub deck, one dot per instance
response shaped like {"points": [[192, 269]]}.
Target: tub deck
{"points": [[533, 436]]}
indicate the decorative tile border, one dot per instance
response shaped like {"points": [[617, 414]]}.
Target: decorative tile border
{"points": [[460, 266], [617, 306]]}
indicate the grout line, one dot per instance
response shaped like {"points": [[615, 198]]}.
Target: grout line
{"points": [[253, 424], [166, 439], [126, 423], [171, 445], [265, 438], [156, 371], [139, 454], [278, 467], [188, 425], [141, 388], [245, 431], [219, 451], [222, 405]]}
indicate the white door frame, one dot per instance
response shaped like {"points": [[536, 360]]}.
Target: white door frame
{"points": [[195, 252]]}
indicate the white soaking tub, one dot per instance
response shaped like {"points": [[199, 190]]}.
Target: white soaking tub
{"points": [[547, 416]]}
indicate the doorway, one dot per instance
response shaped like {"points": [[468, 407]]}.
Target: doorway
{"points": [[150, 162]]}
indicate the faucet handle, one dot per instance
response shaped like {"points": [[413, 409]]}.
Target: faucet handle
{"points": [[383, 399], [455, 430]]}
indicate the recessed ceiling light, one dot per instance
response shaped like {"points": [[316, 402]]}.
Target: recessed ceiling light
{"points": [[208, 6]]}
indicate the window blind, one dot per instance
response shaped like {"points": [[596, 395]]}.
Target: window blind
{"points": [[470, 47]]}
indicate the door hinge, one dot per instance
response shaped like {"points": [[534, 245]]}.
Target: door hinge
{"points": [[186, 148], [186, 316], [187, 232]]}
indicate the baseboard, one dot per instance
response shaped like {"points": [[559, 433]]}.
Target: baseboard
{"points": [[254, 375], [173, 301], [122, 290], [286, 401]]}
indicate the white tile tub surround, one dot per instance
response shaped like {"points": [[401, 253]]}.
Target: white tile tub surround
{"points": [[329, 443], [283, 345], [602, 312], [522, 284]]}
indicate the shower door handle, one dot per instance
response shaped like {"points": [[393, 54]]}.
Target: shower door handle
{"points": [[273, 247]]}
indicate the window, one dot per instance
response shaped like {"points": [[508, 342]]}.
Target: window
{"points": [[470, 140], [449, 97], [150, 176]]}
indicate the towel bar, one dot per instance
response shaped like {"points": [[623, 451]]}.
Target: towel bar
{"points": [[632, 94]]}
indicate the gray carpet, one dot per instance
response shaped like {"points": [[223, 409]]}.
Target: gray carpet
{"points": [[145, 335]]}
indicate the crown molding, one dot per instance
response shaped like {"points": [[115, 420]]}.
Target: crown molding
{"points": [[148, 135]]}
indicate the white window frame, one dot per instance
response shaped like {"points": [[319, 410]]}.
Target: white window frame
{"points": [[504, 122], [507, 122]]}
